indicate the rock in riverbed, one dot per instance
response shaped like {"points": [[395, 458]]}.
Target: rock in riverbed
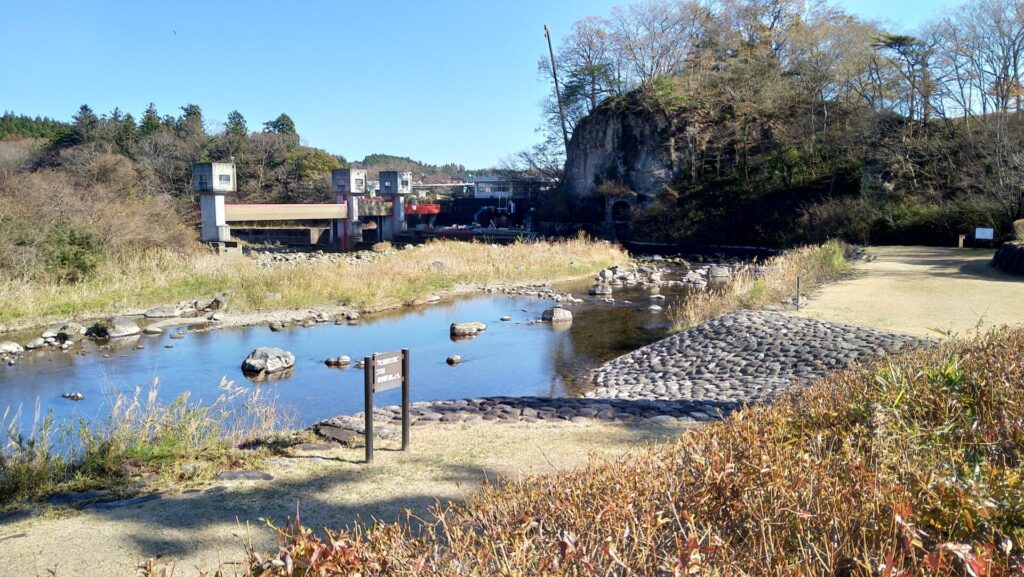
{"points": [[469, 329], [163, 312], [339, 361], [115, 327], [719, 272], [268, 360], [64, 331], [601, 289], [10, 348], [557, 315]]}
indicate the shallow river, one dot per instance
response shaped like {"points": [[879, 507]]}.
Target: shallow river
{"points": [[518, 357]]}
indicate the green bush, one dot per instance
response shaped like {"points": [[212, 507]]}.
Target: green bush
{"points": [[72, 254]]}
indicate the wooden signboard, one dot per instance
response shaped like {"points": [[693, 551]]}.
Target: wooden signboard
{"points": [[387, 371], [382, 372]]}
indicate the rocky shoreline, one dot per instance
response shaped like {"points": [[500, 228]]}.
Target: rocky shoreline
{"points": [[213, 313]]}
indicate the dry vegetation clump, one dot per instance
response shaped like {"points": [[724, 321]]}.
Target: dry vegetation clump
{"points": [[162, 276], [911, 466], [813, 265], [59, 226], [183, 441]]}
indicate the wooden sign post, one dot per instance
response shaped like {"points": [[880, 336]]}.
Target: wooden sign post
{"points": [[382, 372]]}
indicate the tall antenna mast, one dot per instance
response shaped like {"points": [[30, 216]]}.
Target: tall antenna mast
{"points": [[558, 96]]}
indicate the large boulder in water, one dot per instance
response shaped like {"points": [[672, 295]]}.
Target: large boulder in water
{"points": [[122, 327], [601, 289], [64, 331], [467, 329], [268, 360], [115, 327], [557, 315]]}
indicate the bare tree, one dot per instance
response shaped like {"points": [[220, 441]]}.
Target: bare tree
{"points": [[655, 38]]}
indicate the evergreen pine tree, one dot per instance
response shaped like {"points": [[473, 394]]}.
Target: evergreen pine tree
{"points": [[84, 124], [191, 122], [126, 135], [150, 121], [282, 125], [235, 126]]}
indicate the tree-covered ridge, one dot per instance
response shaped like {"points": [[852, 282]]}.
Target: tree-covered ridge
{"points": [[788, 121], [424, 171], [273, 165], [20, 125]]}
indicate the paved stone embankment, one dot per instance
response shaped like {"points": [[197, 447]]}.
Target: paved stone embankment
{"points": [[694, 376], [520, 409], [740, 357]]}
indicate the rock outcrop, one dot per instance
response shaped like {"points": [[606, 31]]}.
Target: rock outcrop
{"points": [[622, 141]]}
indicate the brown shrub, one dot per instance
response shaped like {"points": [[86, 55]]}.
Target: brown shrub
{"points": [[33, 205], [907, 467]]}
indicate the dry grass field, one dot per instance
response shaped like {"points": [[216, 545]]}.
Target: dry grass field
{"points": [[164, 277]]}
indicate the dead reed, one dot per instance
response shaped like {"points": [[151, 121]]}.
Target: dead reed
{"points": [[180, 441], [814, 265], [162, 276]]}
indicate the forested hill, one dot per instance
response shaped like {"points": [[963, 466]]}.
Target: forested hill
{"points": [[765, 122], [110, 185], [273, 165]]}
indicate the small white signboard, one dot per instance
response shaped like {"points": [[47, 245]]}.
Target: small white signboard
{"points": [[984, 234]]}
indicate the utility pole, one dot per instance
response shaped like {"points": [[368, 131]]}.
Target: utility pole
{"points": [[558, 96]]}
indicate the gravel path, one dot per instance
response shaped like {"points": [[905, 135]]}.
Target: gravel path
{"points": [[916, 290], [741, 357]]}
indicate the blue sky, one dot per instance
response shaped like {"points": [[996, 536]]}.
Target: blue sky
{"points": [[436, 80]]}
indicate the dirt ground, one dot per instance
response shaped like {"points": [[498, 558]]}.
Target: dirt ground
{"points": [[923, 291], [329, 488]]}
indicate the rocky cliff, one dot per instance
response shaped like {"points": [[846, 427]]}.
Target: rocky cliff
{"points": [[622, 141]]}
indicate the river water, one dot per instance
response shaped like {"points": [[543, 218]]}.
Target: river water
{"points": [[517, 357]]}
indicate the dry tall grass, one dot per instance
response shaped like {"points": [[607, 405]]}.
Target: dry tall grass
{"points": [[908, 467], [183, 440], [813, 265], [163, 276]]}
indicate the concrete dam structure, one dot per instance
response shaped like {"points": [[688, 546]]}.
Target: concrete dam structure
{"points": [[338, 225]]}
